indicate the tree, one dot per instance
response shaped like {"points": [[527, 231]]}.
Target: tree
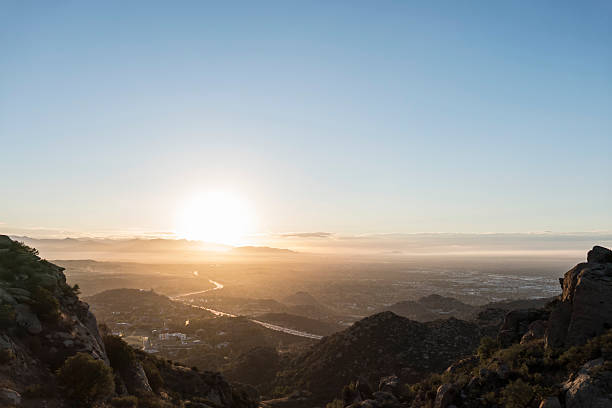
{"points": [[86, 379], [487, 347], [119, 353]]}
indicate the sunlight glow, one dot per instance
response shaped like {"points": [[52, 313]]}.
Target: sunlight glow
{"points": [[215, 217]]}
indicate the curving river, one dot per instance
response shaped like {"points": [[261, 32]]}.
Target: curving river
{"points": [[270, 326]]}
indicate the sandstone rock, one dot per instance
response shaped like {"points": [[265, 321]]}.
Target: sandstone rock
{"points": [[516, 323], [584, 309], [27, 319], [599, 255], [535, 331], [590, 387], [10, 398], [445, 395], [458, 365], [135, 379]]}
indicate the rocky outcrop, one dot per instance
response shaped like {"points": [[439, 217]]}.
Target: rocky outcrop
{"points": [[591, 387], [584, 309], [535, 331], [445, 395], [43, 322], [517, 323], [9, 398], [599, 255]]}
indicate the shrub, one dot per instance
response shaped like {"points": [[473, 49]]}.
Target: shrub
{"points": [[86, 379], [38, 391], [125, 402], [120, 354], [487, 347], [336, 403], [517, 394], [153, 375], [152, 401], [44, 304], [576, 356], [7, 316]]}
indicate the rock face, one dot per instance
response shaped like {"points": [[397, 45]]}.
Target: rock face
{"points": [[591, 387], [599, 255], [517, 323], [584, 309], [9, 397]]}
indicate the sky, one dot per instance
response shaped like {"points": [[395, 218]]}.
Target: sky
{"points": [[342, 117]]}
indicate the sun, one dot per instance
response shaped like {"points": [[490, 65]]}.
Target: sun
{"points": [[218, 217]]}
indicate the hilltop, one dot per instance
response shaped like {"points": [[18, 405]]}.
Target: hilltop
{"points": [[378, 345]]}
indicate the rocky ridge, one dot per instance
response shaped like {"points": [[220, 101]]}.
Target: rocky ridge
{"points": [[559, 356], [44, 325]]}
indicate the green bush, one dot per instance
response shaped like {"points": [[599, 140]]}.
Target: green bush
{"points": [[576, 356], [86, 379], [125, 402], [336, 403], [120, 354], [44, 304], [38, 391], [488, 346], [517, 394]]}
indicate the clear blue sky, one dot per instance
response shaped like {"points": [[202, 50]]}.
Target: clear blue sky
{"points": [[333, 116]]}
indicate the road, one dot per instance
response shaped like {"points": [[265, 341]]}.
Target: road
{"points": [[269, 326], [217, 287]]}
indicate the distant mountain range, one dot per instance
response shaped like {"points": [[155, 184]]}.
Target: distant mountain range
{"points": [[142, 250], [434, 307]]}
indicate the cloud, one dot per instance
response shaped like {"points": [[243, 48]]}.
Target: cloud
{"points": [[307, 235]]}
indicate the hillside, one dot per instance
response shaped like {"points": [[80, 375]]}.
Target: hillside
{"points": [[53, 354], [558, 356], [300, 323], [434, 307], [378, 345]]}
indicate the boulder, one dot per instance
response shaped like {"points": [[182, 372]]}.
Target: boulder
{"points": [[461, 364], [135, 379], [389, 384], [9, 397], [591, 387], [599, 255], [445, 395], [535, 331], [584, 309], [27, 319]]}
